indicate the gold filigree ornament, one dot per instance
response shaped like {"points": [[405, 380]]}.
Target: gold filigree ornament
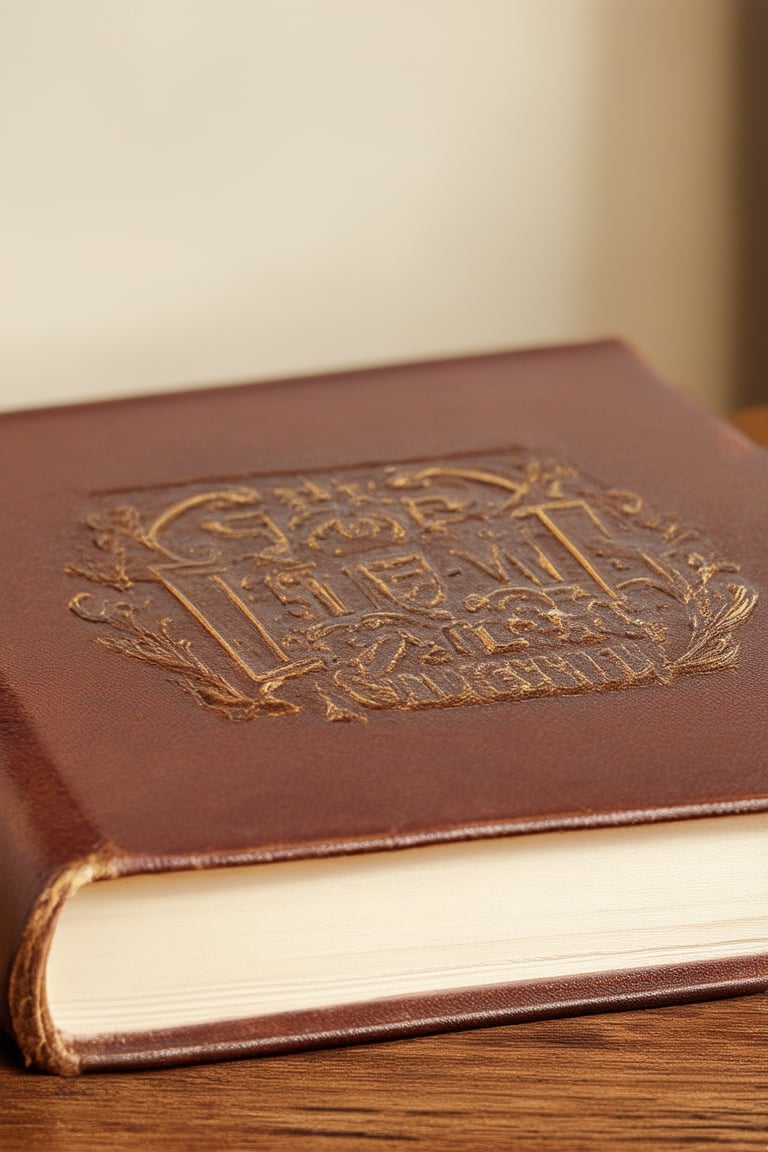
{"points": [[431, 584]]}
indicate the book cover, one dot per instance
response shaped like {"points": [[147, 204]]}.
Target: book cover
{"points": [[366, 612]]}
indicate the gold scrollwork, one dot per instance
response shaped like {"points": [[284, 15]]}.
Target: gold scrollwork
{"points": [[471, 580]]}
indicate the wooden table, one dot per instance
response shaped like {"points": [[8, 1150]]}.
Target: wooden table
{"points": [[669, 1078], [753, 422]]}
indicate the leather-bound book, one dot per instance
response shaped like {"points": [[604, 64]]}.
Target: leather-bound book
{"points": [[375, 704]]}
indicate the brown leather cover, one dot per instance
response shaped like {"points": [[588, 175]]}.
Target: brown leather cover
{"points": [[367, 611]]}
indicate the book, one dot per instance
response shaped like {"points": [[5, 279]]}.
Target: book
{"points": [[377, 703]]}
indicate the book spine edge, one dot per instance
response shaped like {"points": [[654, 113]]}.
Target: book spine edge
{"points": [[40, 1042], [48, 848]]}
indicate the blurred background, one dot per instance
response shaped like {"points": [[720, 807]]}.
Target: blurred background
{"points": [[201, 191]]}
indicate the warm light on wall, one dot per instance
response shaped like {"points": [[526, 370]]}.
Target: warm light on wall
{"points": [[196, 192]]}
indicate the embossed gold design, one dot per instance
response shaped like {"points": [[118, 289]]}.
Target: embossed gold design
{"points": [[433, 584]]}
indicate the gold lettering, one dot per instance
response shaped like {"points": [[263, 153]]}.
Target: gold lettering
{"points": [[468, 638], [454, 634], [339, 535], [566, 670], [302, 577], [542, 513], [418, 691], [451, 685], [371, 693], [426, 475], [203, 620], [250, 524], [498, 682], [435, 513], [513, 677], [231, 595], [537, 677], [586, 658], [490, 565], [409, 581], [272, 677], [542, 559], [494, 646], [502, 600], [523, 569]]}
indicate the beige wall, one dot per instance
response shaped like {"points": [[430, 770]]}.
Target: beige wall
{"points": [[201, 190]]}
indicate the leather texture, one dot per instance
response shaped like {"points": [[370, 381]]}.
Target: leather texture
{"points": [[110, 766]]}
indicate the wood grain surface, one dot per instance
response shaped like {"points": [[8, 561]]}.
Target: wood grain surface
{"points": [[671, 1078]]}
